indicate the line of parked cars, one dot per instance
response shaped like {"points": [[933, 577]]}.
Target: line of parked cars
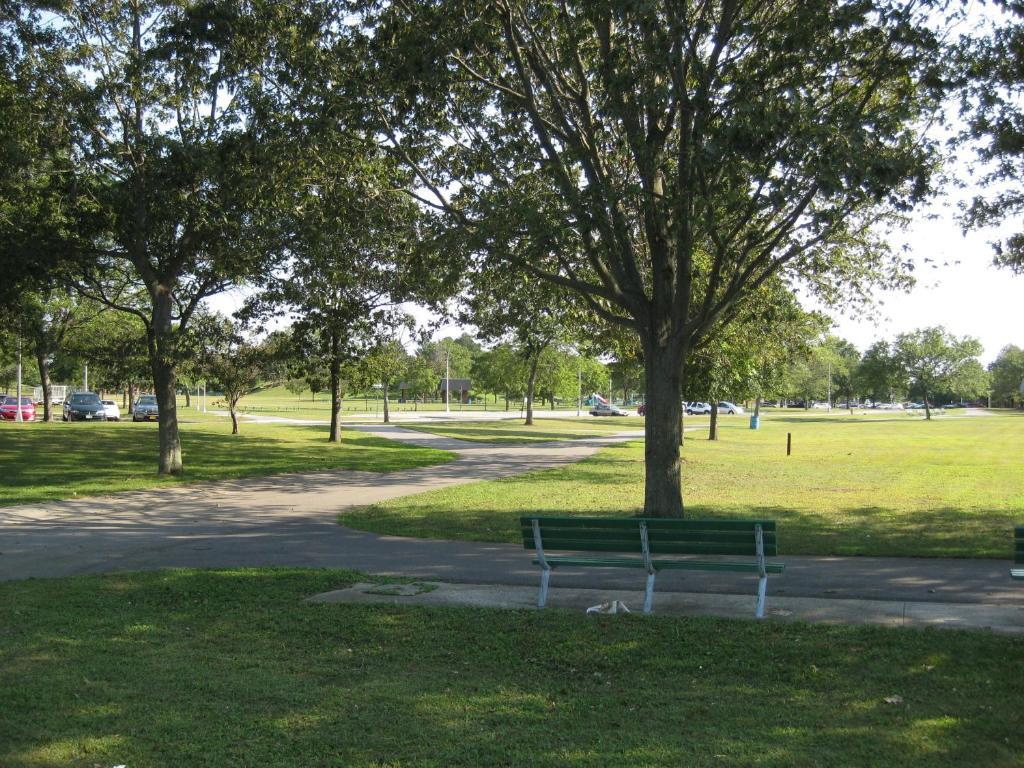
{"points": [[81, 406], [698, 408]]}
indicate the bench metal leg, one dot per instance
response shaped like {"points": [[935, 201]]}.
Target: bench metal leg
{"points": [[762, 588], [649, 593], [542, 598]]}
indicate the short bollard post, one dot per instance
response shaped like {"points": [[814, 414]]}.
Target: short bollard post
{"points": [[789, 443]]}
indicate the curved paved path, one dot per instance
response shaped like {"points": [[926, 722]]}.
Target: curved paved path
{"points": [[289, 520]]}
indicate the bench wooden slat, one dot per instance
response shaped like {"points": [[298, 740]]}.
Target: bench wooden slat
{"points": [[653, 523], [663, 565], [626, 535], [656, 547]]}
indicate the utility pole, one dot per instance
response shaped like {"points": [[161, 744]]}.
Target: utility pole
{"points": [[447, 381], [17, 411], [85, 377], [830, 386], [579, 381]]}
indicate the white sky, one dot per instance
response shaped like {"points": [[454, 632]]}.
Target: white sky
{"points": [[963, 292]]}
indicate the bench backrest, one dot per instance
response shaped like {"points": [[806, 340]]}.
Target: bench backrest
{"points": [[1018, 545], [666, 536]]}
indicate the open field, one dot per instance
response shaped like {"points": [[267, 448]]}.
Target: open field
{"points": [[57, 461], [870, 485], [213, 669], [278, 401]]}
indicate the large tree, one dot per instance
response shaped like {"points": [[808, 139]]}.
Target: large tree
{"points": [[991, 75], [174, 164], [932, 360], [1007, 372], [685, 153]]}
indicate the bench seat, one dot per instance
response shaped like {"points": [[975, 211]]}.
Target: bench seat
{"points": [[653, 544], [668, 565]]}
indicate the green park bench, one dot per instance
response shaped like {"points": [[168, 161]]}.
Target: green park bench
{"points": [[1017, 572], [653, 544]]}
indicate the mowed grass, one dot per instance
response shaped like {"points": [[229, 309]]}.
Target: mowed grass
{"points": [[542, 430], [232, 668], [895, 486], [62, 460]]}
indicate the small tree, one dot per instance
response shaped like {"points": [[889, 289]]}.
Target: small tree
{"points": [[931, 359], [235, 368]]}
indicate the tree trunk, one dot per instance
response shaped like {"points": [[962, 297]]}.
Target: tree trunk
{"points": [[162, 349], [663, 493], [927, 409], [387, 415], [234, 418], [506, 401], [44, 379], [335, 393], [188, 398], [713, 429], [530, 385]]}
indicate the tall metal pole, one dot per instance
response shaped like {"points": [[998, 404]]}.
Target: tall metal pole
{"points": [[85, 377], [17, 411], [830, 386], [579, 399], [447, 382]]}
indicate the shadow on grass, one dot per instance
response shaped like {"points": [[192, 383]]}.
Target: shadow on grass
{"points": [[850, 531], [62, 460], [220, 668]]}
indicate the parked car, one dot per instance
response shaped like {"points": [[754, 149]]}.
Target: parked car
{"points": [[146, 409], [602, 409], [9, 409], [111, 410], [820, 404], [698, 408], [84, 406], [726, 407]]}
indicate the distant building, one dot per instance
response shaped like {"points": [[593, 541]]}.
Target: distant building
{"points": [[459, 389]]}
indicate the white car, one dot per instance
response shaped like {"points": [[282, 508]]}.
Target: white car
{"points": [[607, 410], [110, 410], [726, 407]]}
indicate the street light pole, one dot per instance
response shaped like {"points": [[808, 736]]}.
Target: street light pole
{"points": [[579, 399], [830, 386], [447, 382], [17, 411]]}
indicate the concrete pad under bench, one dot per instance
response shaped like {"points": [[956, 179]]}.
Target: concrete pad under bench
{"points": [[1006, 619]]}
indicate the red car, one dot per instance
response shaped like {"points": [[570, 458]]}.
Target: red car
{"points": [[9, 409]]}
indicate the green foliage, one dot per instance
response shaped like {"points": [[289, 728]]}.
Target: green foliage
{"points": [[1007, 372], [990, 72], [932, 360]]}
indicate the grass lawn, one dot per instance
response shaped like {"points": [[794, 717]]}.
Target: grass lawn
{"points": [[854, 485], [58, 460], [513, 431], [231, 668]]}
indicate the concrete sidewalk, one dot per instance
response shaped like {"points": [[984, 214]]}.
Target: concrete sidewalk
{"points": [[996, 618]]}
